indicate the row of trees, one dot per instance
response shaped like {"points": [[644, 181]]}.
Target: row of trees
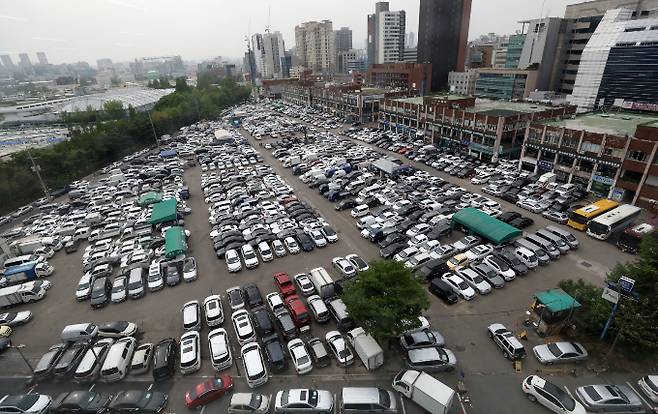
{"points": [[99, 138], [635, 326]]}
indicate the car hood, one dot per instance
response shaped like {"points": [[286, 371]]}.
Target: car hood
{"points": [[542, 353], [452, 359]]}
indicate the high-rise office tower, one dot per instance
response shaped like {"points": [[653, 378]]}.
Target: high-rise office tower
{"points": [[443, 37], [274, 49], [24, 60], [386, 35], [41, 57], [7, 62], [343, 39], [581, 21], [316, 45]]}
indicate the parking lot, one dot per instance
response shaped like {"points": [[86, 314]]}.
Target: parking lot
{"points": [[485, 372]]}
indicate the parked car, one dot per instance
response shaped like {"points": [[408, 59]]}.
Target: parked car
{"points": [[551, 396], [609, 398], [208, 391], [560, 352]]}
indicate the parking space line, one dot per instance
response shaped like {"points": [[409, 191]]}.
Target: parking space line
{"points": [[404, 408], [568, 392], [32, 388], [639, 394], [203, 409], [150, 387], [92, 387]]}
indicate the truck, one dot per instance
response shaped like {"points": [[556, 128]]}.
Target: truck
{"points": [[26, 272], [26, 245], [629, 240], [322, 282], [368, 350], [23, 293], [425, 390]]}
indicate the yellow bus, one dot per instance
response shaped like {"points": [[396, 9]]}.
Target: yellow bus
{"points": [[579, 218]]}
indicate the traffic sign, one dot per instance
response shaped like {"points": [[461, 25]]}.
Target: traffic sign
{"points": [[610, 295]]}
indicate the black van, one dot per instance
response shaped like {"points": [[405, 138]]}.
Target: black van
{"points": [[275, 354], [164, 359], [441, 290]]}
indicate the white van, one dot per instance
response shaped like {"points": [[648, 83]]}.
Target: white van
{"points": [[361, 210], [546, 245], [82, 233], [555, 239], [21, 260], [79, 332], [136, 283], [365, 221], [540, 253], [254, 365], [565, 235], [115, 366], [527, 257]]}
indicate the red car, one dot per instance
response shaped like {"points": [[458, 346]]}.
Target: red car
{"points": [[284, 284], [298, 311], [208, 391]]}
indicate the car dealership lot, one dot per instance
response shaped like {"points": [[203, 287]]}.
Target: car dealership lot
{"points": [[486, 373]]}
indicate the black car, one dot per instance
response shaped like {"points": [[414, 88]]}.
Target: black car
{"points": [[262, 321], [5, 343], [100, 292], [345, 204], [69, 361], [392, 249], [285, 323], [81, 402], [275, 353], [432, 268], [165, 355], [443, 291], [512, 261], [395, 237], [46, 364], [143, 402], [305, 241], [521, 222], [440, 230], [252, 295], [508, 216]]}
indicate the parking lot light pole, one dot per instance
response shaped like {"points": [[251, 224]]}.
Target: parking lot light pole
{"points": [[20, 352]]}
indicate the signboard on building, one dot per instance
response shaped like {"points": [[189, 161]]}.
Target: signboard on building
{"points": [[545, 165], [603, 180], [617, 194], [640, 106]]}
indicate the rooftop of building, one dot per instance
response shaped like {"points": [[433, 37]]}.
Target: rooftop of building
{"points": [[616, 123], [418, 100], [505, 108]]}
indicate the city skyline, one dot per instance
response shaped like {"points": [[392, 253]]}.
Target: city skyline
{"points": [[117, 29]]}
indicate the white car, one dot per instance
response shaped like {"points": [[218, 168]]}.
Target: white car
{"points": [[300, 357], [474, 279], [530, 206], [417, 240], [119, 289], [279, 248], [274, 301], [12, 319], [191, 316], [189, 269], [500, 266], [190, 352], [338, 346], [141, 361], [233, 262], [265, 252], [478, 252], [32, 404], [291, 245], [344, 266], [249, 256], [304, 284], [405, 254], [212, 306], [459, 286], [254, 365], [551, 396], [83, 291], [244, 328], [318, 238], [155, 281], [220, 349]]}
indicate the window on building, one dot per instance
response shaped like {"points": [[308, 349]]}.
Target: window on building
{"points": [[586, 166], [631, 176], [637, 155]]}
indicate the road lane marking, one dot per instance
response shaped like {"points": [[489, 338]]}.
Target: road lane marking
{"points": [[92, 387], [203, 409], [639, 394], [568, 392], [150, 387]]}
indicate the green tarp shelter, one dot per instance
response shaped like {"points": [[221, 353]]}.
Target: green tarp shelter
{"points": [[151, 197], [175, 242], [164, 211], [480, 223], [557, 300]]}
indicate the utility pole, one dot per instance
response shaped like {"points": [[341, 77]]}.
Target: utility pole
{"points": [[623, 289], [18, 348], [37, 169], [157, 142]]}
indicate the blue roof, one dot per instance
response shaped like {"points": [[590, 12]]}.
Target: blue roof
{"points": [[20, 269], [168, 153]]}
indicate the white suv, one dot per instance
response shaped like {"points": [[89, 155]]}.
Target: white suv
{"points": [[249, 256]]}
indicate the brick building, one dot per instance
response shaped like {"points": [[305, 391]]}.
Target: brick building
{"points": [[401, 75]]}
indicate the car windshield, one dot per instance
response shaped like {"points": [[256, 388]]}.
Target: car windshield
{"points": [[562, 396], [554, 349], [189, 265], [255, 401], [384, 398]]}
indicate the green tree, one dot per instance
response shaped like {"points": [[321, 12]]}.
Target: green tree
{"points": [[164, 82], [634, 326], [181, 85], [114, 109], [386, 300]]}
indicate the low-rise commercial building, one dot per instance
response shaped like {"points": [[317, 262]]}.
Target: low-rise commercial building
{"points": [[505, 83], [401, 75], [611, 154], [486, 128]]}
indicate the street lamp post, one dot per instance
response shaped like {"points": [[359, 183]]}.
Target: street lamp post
{"points": [[157, 142]]}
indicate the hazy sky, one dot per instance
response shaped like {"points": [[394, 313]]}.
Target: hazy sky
{"points": [[73, 30]]}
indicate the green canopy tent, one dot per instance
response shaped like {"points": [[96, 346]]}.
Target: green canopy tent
{"points": [[164, 211], [175, 242], [151, 197], [552, 311], [480, 223]]}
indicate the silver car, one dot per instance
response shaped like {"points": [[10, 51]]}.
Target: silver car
{"points": [[249, 403], [434, 358], [560, 352], [305, 400], [609, 398], [421, 339]]}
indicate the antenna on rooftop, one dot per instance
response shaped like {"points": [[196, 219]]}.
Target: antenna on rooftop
{"points": [[267, 26]]}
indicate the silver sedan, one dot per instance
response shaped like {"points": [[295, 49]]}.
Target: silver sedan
{"points": [[609, 398], [560, 352]]}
